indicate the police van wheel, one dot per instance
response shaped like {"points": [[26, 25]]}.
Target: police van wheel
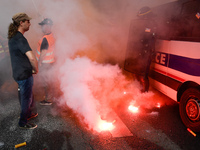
{"points": [[189, 109]]}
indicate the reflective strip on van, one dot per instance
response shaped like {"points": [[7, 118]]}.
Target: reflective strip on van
{"points": [[166, 79]]}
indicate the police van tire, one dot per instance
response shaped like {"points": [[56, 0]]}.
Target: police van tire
{"points": [[189, 109]]}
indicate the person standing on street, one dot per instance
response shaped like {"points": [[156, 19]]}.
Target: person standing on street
{"points": [[45, 57], [24, 64], [141, 46]]}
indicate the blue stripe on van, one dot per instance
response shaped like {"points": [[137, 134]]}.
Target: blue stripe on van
{"points": [[184, 64]]}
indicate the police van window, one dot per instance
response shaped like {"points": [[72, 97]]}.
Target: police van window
{"points": [[190, 7], [164, 13], [186, 24], [182, 27], [163, 29], [196, 27]]}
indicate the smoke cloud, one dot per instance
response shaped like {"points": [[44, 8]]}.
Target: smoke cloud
{"points": [[91, 38]]}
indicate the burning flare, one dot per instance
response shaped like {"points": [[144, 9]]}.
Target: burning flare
{"points": [[104, 125], [133, 109], [158, 105]]}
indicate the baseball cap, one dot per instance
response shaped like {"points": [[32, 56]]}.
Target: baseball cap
{"points": [[20, 17], [46, 21]]}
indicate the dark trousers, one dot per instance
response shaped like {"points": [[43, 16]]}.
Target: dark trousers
{"points": [[26, 99], [144, 81]]}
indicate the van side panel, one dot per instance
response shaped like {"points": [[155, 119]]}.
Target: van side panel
{"points": [[184, 61], [175, 63]]}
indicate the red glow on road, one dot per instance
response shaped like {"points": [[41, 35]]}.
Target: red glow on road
{"points": [[106, 125], [133, 109]]}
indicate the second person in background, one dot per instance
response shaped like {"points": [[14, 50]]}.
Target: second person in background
{"points": [[46, 58]]}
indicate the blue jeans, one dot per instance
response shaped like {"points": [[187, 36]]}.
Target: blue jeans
{"points": [[26, 99]]}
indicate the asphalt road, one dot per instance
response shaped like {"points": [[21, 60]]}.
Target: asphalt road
{"points": [[150, 128]]}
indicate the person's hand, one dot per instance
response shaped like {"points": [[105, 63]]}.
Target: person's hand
{"points": [[39, 63], [34, 72]]}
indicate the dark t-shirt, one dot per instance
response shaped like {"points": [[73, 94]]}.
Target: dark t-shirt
{"points": [[21, 66], [44, 45]]}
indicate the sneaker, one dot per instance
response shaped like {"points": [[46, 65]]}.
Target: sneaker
{"points": [[44, 102], [33, 115], [29, 126]]}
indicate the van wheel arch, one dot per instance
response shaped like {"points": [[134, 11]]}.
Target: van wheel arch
{"points": [[189, 109], [184, 87]]}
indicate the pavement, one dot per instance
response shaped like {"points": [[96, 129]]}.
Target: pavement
{"points": [[57, 129], [62, 129], [53, 132]]}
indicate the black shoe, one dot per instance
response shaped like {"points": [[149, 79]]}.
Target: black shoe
{"points": [[44, 102], [29, 126], [33, 115]]}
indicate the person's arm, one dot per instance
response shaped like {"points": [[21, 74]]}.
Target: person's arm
{"points": [[42, 55], [33, 61], [43, 50]]}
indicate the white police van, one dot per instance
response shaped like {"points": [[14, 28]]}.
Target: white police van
{"points": [[175, 71]]}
